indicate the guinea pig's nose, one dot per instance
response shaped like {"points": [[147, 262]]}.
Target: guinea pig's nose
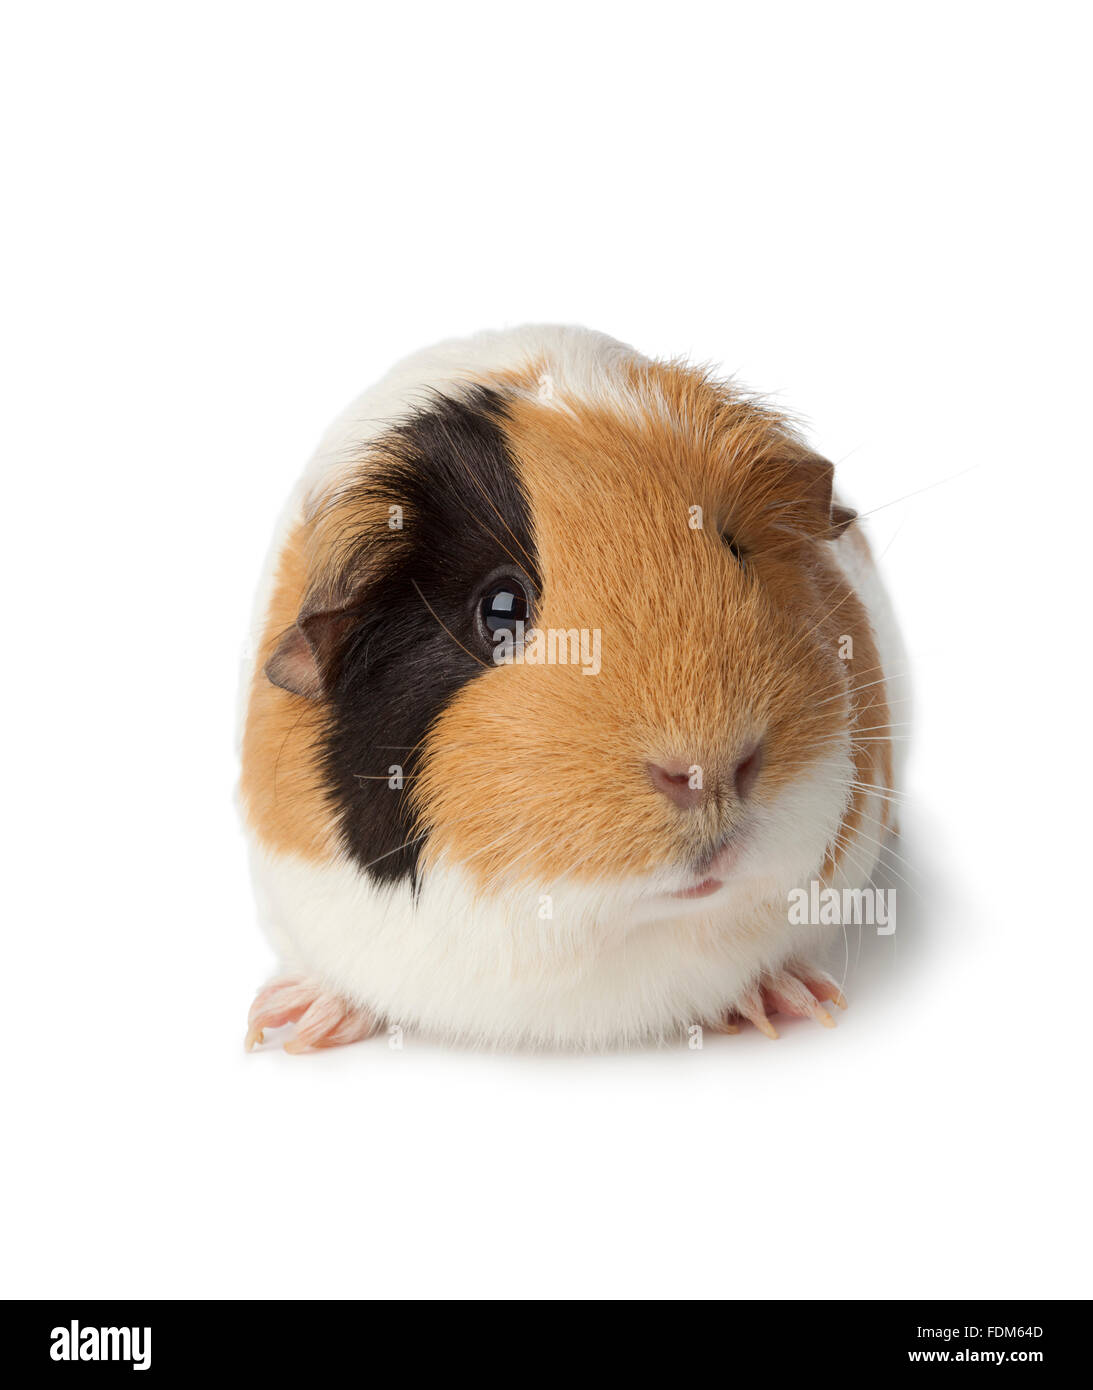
{"points": [[684, 783], [680, 783]]}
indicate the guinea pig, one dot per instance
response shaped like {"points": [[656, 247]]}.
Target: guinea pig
{"points": [[569, 672]]}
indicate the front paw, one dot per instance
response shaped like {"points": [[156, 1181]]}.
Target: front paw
{"points": [[798, 989], [322, 1018]]}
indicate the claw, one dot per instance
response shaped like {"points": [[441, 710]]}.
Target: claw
{"points": [[824, 988], [788, 995], [754, 1010], [820, 1014]]}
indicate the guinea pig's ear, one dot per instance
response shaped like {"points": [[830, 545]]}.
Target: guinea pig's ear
{"points": [[306, 659], [827, 517]]}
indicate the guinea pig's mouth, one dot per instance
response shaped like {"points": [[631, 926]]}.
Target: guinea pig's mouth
{"points": [[714, 868]]}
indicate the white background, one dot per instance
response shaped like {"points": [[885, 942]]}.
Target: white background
{"points": [[222, 221]]}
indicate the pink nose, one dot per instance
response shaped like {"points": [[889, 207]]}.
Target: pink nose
{"points": [[685, 784]]}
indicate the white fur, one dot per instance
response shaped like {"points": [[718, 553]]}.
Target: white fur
{"points": [[579, 363], [614, 963]]}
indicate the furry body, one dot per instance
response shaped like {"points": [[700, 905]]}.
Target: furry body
{"points": [[524, 883]]}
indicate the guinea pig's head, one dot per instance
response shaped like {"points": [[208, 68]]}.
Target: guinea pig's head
{"points": [[586, 644]]}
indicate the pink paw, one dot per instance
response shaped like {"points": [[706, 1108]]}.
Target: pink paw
{"points": [[797, 989], [322, 1019]]}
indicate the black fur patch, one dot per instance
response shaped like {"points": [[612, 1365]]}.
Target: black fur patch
{"points": [[415, 645]]}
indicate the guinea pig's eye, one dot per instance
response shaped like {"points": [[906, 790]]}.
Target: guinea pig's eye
{"points": [[503, 605], [728, 541]]}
